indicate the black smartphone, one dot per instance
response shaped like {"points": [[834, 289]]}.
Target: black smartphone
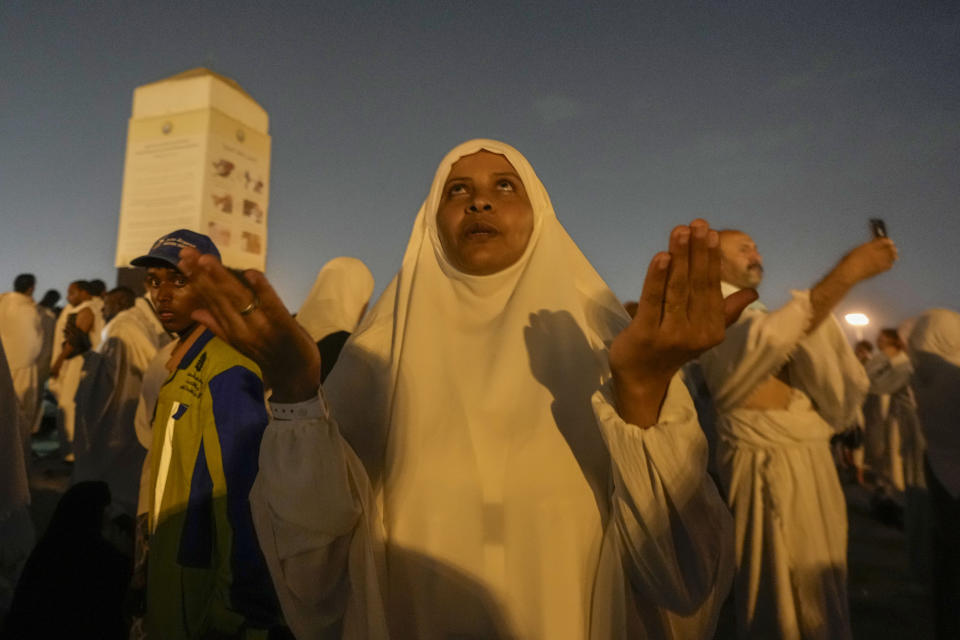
{"points": [[878, 227]]}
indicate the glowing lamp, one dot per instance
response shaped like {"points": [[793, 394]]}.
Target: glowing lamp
{"points": [[857, 319]]}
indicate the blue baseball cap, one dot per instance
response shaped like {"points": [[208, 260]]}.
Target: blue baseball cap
{"points": [[165, 252]]}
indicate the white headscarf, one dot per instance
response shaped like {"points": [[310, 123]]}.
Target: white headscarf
{"points": [[474, 420], [937, 331], [338, 297]]}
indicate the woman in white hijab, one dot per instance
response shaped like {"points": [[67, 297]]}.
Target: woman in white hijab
{"points": [[334, 307], [478, 474]]}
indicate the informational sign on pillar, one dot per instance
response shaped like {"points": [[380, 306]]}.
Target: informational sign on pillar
{"points": [[198, 157]]}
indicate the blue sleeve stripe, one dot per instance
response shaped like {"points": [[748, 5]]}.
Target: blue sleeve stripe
{"points": [[196, 537], [240, 415]]}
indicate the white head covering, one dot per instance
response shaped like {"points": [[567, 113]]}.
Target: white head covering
{"points": [[338, 297], [475, 420], [937, 331]]}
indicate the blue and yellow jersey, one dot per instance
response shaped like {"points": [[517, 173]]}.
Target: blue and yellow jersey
{"points": [[205, 573]]}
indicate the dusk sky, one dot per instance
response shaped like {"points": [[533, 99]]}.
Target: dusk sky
{"points": [[795, 122]]}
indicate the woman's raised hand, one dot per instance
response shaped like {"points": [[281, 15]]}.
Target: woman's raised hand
{"points": [[680, 314], [252, 318]]}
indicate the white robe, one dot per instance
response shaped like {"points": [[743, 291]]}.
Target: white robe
{"points": [[105, 443], [16, 526], [472, 481], [778, 470], [148, 316], [64, 386], [891, 423], [48, 325], [22, 336], [902, 451]]}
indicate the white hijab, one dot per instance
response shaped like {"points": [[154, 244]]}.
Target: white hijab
{"points": [[937, 331], [468, 400], [338, 297]]}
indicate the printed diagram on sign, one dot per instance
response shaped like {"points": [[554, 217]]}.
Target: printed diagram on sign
{"points": [[252, 210], [236, 202], [253, 183], [219, 233], [223, 202], [223, 168], [252, 242], [230, 178]]}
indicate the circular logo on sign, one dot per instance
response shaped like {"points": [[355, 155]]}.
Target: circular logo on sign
{"points": [[241, 135], [167, 127]]}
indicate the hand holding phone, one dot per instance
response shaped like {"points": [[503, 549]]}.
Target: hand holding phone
{"points": [[878, 227]]}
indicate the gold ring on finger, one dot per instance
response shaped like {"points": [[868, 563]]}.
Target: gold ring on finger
{"points": [[250, 308]]}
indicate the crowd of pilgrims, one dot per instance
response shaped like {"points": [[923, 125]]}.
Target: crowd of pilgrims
{"points": [[496, 448]]}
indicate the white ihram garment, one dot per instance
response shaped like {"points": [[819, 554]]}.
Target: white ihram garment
{"points": [[64, 386], [22, 335], [781, 482], [474, 482], [16, 527], [337, 299], [148, 316], [891, 423], [105, 441]]}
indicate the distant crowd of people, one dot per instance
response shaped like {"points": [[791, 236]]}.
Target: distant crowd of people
{"points": [[497, 448]]}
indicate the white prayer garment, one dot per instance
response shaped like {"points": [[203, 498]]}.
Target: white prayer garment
{"points": [[338, 298], [148, 315], [16, 527], [22, 336], [48, 325], [893, 419], [472, 478], [154, 376], [105, 443], [778, 471], [64, 387], [935, 349]]}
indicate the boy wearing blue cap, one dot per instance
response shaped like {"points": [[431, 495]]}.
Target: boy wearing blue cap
{"points": [[205, 573]]}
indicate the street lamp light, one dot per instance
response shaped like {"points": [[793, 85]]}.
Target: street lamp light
{"points": [[858, 321]]}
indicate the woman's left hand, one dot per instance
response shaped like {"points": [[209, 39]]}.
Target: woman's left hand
{"points": [[680, 314]]}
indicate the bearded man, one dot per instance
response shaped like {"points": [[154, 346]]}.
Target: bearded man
{"points": [[782, 381]]}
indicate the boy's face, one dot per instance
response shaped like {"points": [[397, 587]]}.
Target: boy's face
{"points": [[173, 298]]}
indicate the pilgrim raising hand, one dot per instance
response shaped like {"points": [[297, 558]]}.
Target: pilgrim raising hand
{"points": [[254, 320], [474, 498], [680, 314]]}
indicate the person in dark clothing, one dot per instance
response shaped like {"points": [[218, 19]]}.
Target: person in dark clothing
{"points": [[74, 581]]}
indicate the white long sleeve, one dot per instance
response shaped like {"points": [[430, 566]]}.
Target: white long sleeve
{"points": [[674, 531], [758, 345], [315, 516]]}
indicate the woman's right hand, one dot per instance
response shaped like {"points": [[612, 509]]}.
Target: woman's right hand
{"points": [[267, 334]]}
